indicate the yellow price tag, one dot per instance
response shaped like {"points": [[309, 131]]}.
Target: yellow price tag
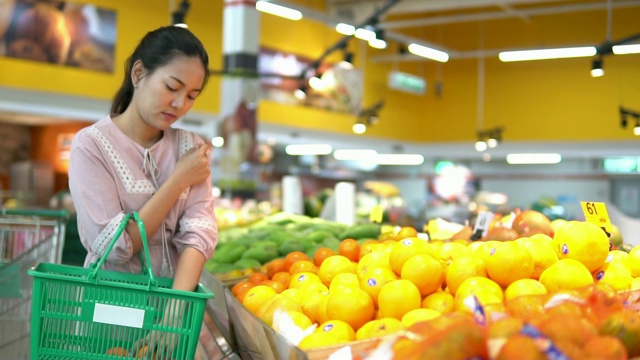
{"points": [[596, 213], [376, 214]]}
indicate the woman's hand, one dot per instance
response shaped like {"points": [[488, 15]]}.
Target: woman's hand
{"points": [[193, 167], [160, 344]]}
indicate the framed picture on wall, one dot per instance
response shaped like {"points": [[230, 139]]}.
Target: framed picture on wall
{"points": [[58, 32]]}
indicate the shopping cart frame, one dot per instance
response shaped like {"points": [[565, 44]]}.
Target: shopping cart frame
{"points": [[41, 239]]}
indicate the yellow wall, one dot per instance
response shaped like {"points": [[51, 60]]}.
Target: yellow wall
{"points": [[133, 20]]}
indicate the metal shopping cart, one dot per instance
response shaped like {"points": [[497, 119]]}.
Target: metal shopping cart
{"points": [[27, 237]]}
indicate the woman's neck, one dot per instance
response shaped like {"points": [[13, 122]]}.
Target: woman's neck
{"points": [[134, 127]]}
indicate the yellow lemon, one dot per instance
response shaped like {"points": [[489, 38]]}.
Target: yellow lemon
{"points": [[318, 340], [397, 298], [334, 265], [633, 261], [524, 287], [508, 263], [566, 274], [441, 301], [584, 242], [425, 272], [542, 252], [419, 315], [406, 248], [451, 251], [374, 280], [463, 268], [339, 329], [344, 279], [614, 274], [303, 279]]}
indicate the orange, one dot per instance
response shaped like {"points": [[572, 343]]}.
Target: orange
{"points": [[371, 260], [350, 249], [615, 274], [278, 302], [441, 301], [256, 296], [582, 241], [451, 251], [334, 265], [374, 279], [293, 257], [542, 252], [321, 314], [406, 248], [367, 247], [524, 287], [418, 315], [275, 285], [344, 279], [463, 268], [117, 351], [242, 292], [282, 277], [477, 285], [406, 232], [339, 329], [301, 266], [241, 285], [397, 298], [321, 254], [312, 304], [508, 263], [379, 327], [295, 294], [303, 279], [351, 305], [425, 272], [318, 340], [258, 277], [275, 266], [633, 261]]}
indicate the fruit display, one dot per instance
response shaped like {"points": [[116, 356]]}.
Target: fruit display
{"points": [[557, 292], [242, 250]]}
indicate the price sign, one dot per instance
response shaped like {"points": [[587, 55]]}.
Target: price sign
{"points": [[482, 224], [376, 214], [596, 213]]}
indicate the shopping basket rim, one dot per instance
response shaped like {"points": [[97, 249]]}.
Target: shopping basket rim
{"points": [[39, 271]]}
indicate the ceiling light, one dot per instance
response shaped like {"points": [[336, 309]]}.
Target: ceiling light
{"points": [[364, 34], [308, 149], [626, 49], [545, 54], [596, 68], [519, 159], [345, 29], [492, 142], [399, 159], [278, 10], [316, 83], [378, 44], [359, 128], [481, 146], [428, 52], [636, 130], [354, 154]]}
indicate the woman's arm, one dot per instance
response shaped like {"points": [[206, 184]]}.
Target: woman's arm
{"points": [[189, 269]]}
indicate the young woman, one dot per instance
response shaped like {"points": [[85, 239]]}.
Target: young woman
{"points": [[132, 160]]}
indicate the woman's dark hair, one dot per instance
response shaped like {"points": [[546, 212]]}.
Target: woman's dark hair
{"points": [[156, 49]]}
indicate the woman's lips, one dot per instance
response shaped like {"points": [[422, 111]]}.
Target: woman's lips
{"points": [[169, 116]]}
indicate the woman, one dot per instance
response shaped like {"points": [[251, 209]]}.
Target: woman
{"points": [[132, 160]]}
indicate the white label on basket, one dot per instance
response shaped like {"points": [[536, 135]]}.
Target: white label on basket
{"points": [[118, 315]]}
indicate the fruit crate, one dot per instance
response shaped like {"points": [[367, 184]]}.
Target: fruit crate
{"points": [[255, 340]]}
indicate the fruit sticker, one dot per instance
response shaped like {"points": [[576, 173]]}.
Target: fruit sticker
{"points": [[482, 225], [596, 213]]}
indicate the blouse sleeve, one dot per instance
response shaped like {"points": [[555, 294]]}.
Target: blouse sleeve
{"points": [[96, 198], [198, 227]]}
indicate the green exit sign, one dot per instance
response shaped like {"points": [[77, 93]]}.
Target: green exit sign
{"points": [[407, 82]]}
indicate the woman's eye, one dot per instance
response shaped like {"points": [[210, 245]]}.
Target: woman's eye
{"points": [[170, 88]]}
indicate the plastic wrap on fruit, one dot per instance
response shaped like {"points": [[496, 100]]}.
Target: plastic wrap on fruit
{"points": [[543, 343]]}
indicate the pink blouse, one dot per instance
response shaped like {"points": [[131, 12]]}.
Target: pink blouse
{"points": [[108, 177]]}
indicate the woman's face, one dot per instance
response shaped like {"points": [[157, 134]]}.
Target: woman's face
{"points": [[168, 93]]}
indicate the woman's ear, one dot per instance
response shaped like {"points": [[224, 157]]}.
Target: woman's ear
{"points": [[137, 72]]}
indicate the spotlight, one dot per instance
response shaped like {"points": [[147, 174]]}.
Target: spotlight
{"points": [[481, 146], [492, 142], [596, 68], [636, 130], [359, 128]]}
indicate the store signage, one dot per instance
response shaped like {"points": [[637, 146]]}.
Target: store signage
{"points": [[407, 83], [596, 213], [621, 165]]}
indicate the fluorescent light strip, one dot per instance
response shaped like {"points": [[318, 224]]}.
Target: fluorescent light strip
{"points": [[354, 154], [626, 49], [345, 29], [523, 159], [429, 53], [546, 54], [364, 34], [308, 149], [378, 44], [278, 10], [399, 159]]}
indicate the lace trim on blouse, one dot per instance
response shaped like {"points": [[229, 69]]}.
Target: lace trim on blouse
{"points": [[197, 223], [131, 185], [186, 143], [106, 235]]}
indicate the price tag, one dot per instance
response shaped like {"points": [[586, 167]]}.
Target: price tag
{"points": [[376, 214], [596, 213], [482, 225]]}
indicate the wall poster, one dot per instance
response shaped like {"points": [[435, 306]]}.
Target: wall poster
{"points": [[58, 32]]}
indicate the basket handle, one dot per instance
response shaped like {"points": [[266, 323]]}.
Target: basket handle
{"points": [[143, 237]]}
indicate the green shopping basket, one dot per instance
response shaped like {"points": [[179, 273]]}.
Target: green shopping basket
{"points": [[90, 313]]}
